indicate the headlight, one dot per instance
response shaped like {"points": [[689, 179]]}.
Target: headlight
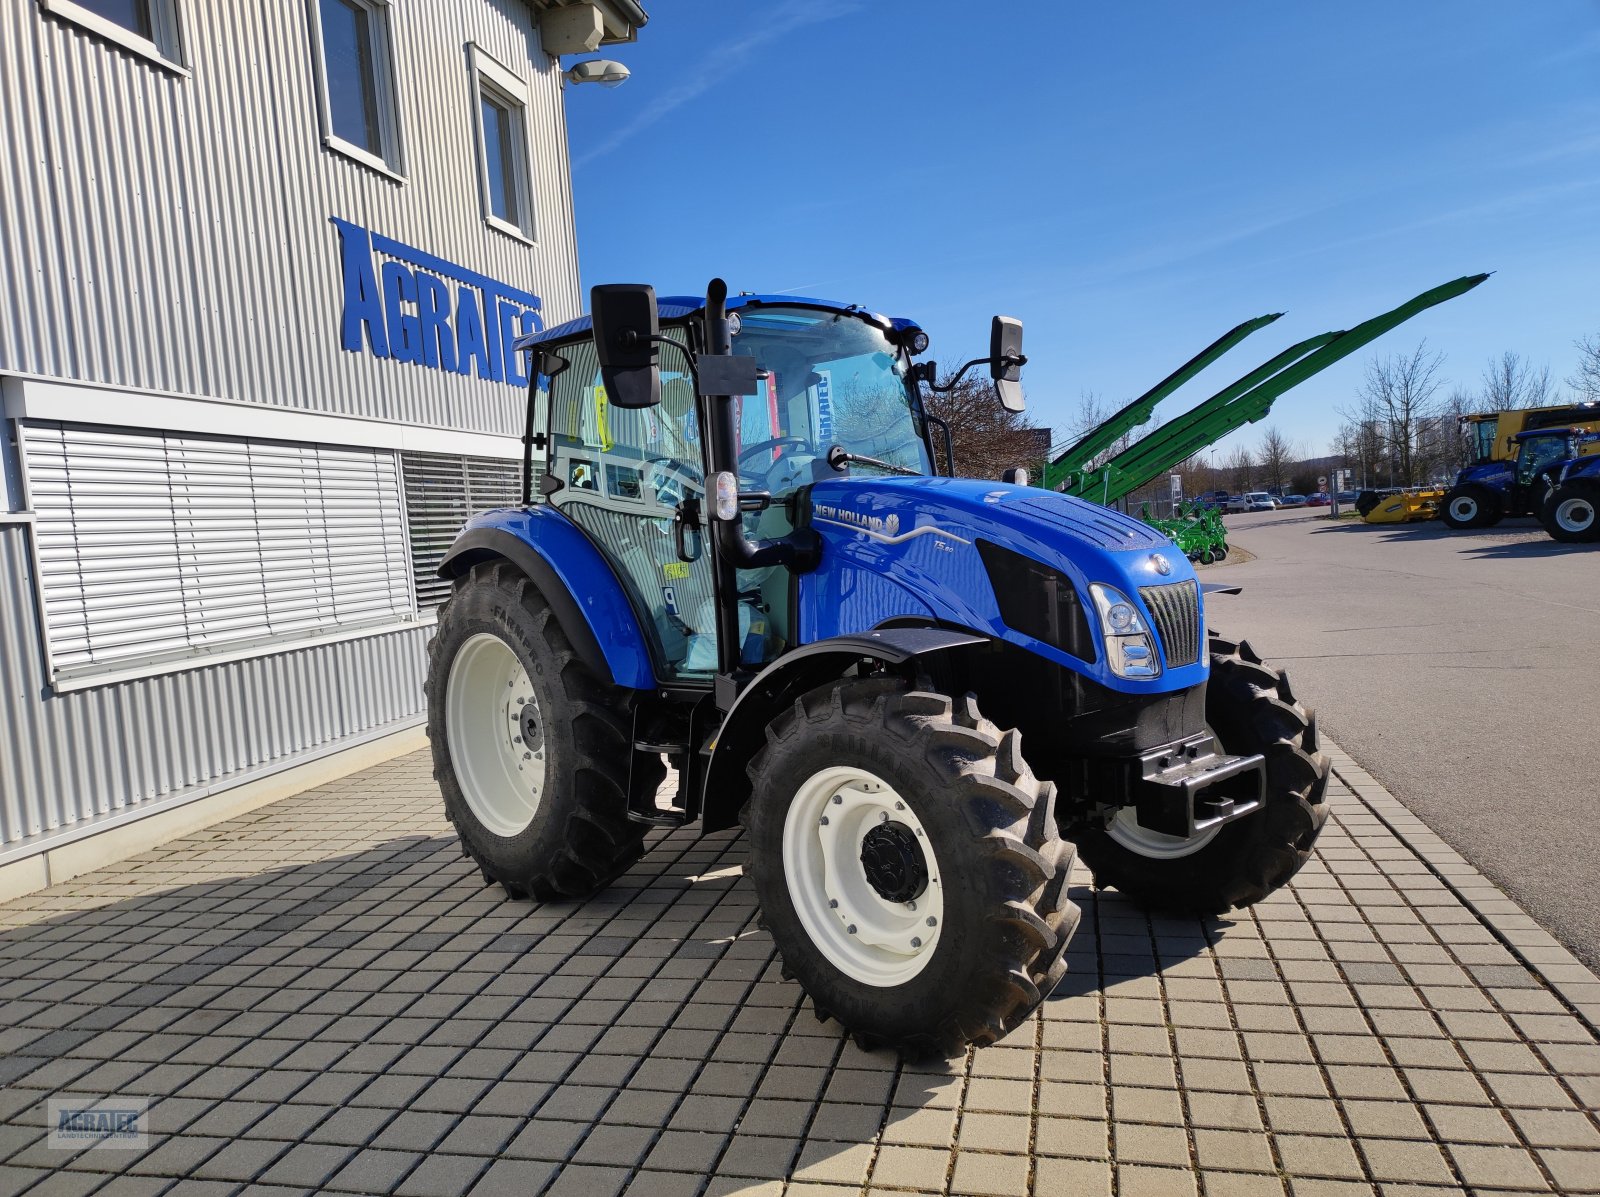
{"points": [[1130, 648]]}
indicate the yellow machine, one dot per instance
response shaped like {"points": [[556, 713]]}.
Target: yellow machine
{"points": [[1406, 506], [1494, 433]]}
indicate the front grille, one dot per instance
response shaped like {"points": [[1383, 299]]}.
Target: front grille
{"points": [[1176, 610]]}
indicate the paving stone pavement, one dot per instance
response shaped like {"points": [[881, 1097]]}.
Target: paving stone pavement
{"points": [[321, 997]]}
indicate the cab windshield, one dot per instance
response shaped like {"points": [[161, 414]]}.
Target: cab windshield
{"points": [[1538, 452], [826, 379]]}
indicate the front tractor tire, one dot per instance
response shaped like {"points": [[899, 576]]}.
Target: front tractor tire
{"points": [[1571, 513], [531, 750], [1471, 506], [908, 866], [1250, 709]]}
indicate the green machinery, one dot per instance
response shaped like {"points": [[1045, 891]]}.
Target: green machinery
{"points": [[1242, 402], [1196, 528]]}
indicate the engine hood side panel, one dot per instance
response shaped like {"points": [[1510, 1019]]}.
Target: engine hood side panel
{"points": [[897, 547]]}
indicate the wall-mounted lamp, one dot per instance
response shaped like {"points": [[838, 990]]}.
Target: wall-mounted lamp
{"points": [[604, 71]]}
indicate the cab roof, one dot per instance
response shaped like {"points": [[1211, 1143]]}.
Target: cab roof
{"points": [[681, 307]]}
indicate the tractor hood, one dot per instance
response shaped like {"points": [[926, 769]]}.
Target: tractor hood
{"points": [[941, 549], [1489, 473]]}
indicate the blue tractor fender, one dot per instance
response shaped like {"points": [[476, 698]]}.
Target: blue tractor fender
{"points": [[583, 591], [725, 785]]}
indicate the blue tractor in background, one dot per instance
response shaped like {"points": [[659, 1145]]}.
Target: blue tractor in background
{"points": [[1569, 509], [921, 695], [1490, 491]]}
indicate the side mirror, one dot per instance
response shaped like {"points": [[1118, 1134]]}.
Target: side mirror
{"points": [[625, 319], [1006, 360]]}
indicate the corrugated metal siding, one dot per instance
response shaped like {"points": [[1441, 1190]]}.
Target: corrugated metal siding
{"points": [[173, 233], [72, 757]]}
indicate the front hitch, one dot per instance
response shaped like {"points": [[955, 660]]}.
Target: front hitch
{"points": [[1180, 789], [1193, 786]]}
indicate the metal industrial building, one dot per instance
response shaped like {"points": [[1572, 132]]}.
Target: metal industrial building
{"points": [[261, 267]]}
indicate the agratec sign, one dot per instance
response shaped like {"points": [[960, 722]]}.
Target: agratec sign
{"points": [[416, 307]]}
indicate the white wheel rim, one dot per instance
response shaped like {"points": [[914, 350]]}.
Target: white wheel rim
{"points": [[495, 734], [1464, 508], [1575, 515], [867, 937], [1126, 830]]}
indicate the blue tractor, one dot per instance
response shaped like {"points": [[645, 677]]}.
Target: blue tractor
{"points": [[1569, 509], [1490, 491], [921, 695]]}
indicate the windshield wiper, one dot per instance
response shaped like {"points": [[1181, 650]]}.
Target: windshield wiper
{"points": [[839, 457]]}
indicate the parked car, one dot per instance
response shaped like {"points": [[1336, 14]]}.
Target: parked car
{"points": [[1259, 500], [1234, 505], [1319, 498], [1347, 496], [1292, 501]]}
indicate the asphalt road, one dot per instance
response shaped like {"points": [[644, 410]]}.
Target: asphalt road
{"points": [[1460, 668]]}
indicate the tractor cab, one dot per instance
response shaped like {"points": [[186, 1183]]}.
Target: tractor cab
{"points": [[828, 393]]}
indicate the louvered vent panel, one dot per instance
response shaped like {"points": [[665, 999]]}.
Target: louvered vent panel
{"points": [[441, 492]]}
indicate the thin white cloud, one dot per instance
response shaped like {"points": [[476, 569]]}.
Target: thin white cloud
{"points": [[712, 67]]}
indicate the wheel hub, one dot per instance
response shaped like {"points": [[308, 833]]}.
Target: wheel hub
{"points": [[893, 862], [1575, 515], [532, 731], [862, 875], [495, 734]]}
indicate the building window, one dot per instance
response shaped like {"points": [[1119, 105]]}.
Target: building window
{"points": [[147, 27], [159, 550], [503, 146], [357, 76], [442, 490]]}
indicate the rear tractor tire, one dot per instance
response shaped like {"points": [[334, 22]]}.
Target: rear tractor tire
{"points": [[1471, 506], [1571, 513], [908, 866], [1250, 709], [531, 750]]}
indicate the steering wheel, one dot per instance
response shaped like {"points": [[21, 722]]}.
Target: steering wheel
{"points": [[772, 443]]}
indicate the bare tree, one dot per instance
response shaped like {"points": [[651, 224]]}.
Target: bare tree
{"points": [[1276, 455], [1360, 443], [987, 437], [1241, 470], [1397, 394], [1586, 378], [1510, 382]]}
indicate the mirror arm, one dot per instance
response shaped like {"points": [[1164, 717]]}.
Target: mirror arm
{"points": [[1019, 360]]}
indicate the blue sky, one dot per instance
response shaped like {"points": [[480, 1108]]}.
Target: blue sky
{"points": [[1131, 179]]}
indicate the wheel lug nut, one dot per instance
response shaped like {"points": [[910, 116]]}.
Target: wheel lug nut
{"points": [[851, 928], [911, 905], [932, 922], [527, 756], [899, 806], [824, 821], [883, 816], [838, 800], [833, 903], [915, 942]]}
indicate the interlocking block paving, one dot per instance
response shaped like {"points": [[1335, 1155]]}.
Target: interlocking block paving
{"points": [[322, 995]]}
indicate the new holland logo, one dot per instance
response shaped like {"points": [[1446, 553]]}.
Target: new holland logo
{"points": [[889, 525]]}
